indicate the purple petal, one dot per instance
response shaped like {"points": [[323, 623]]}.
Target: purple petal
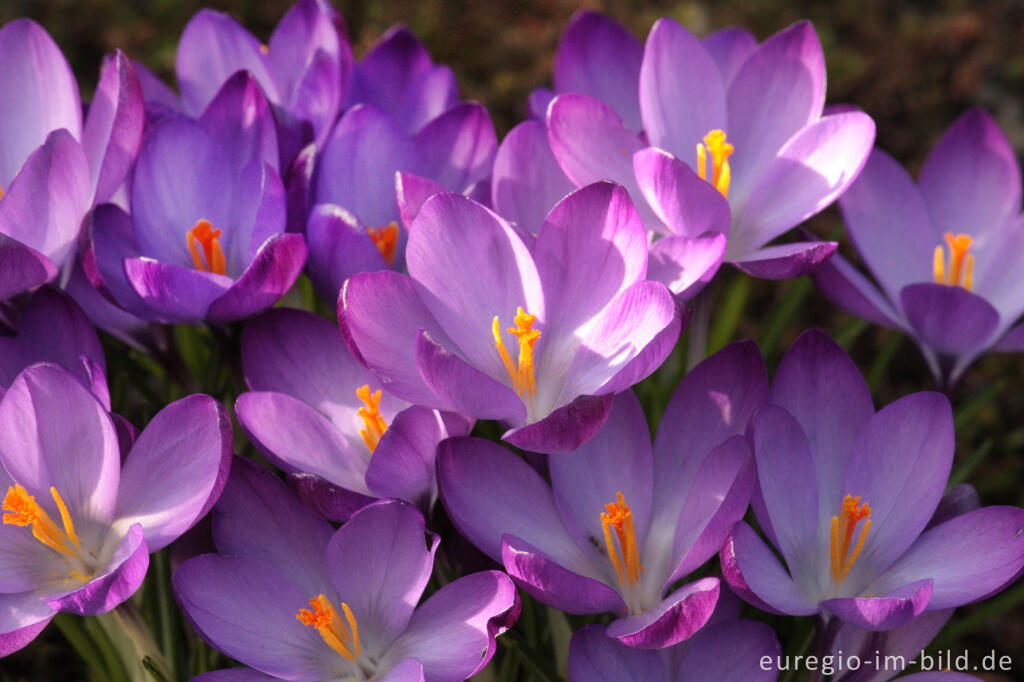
{"points": [[731, 651], [113, 129], [45, 202], [844, 286], [687, 204], [686, 265], [729, 48], [176, 469], [172, 293], [971, 181], [334, 503], [429, 96], [675, 619], [408, 670], [597, 57], [40, 96], [246, 610], [596, 657], [565, 428], [339, 247], [957, 500], [679, 105], [277, 265], [380, 566], [1012, 341], [813, 168], [234, 675], [758, 570], [22, 268], [123, 576], [458, 147], [969, 557], [653, 355], [411, 192], [466, 615], [894, 610], [389, 69], [23, 617], [949, 319], [239, 112], [113, 241], [786, 261], [538, 103]]}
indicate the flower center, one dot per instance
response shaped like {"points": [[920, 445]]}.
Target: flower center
{"points": [[625, 559], [961, 263], [374, 425], [843, 528], [211, 258], [714, 144], [523, 380], [386, 239], [21, 509], [341, 636]]}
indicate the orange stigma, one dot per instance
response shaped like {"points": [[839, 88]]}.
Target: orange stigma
{"points": [[203, 235], [21, 509], [843, 528], [1, 192], [523, 380], [626, 559], [374, 425], [961, 263], [386, 239], [714, 144], [264, 49], [343, 637]]}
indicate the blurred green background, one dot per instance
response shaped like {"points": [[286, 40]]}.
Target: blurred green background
{"points": [[913, 66]]}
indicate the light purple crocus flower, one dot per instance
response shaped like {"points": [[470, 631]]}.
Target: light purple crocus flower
{"points": [[761, 104], [573, 304], [846, 495], [205, 239], [295, 599], [621, 523], [944, 251], [321, 416], [84, 504], [730, 651]]}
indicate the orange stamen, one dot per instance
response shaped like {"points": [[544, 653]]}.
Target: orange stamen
{"points": [[374, 425], [721, 175], [21, 509], [203, 235], [523, 378], [626, 559], [386, 239], [841, 536], [343, 637], [961, 263]]}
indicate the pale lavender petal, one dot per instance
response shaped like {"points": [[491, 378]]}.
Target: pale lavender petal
{"points": [[729, 48], [759, 571], [675, 619], [429, 96], [240, 112], [411, 192], [844, 286], [457, 148], [686, 265], [234, 675], [113, 129], [408, 670], [949, 319], [687, 204]]}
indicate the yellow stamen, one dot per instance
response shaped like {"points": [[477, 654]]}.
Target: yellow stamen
{"points": [[343, 637], [841, 536], [721, 175], [264, 49], [21, 509], [203, 235], [1, 192], [523, 379], [961, 263], [386, 239], [617, 515], [374, 425]]}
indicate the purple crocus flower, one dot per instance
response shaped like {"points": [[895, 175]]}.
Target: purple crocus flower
{"points": [[78, 522], [582, 321], [730, 651], [295, 599], [775, 170], [943, 251], [846, 495], [621, 523], [205, 239], [320, 415]]}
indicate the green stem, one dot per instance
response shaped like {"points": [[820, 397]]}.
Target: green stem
{"points": [[167, 612], [697, 341], [133, 641]]}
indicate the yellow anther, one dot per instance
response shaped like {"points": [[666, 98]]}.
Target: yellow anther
{"points": [[625, 559], [522, 375], [374, 425], [211, 259], [386, 239], [841, 536], [961, 263], [343, 637], [714, 144]]}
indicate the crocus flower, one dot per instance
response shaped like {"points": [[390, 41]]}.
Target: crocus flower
{"points": [[295, 599], [708, 106], [944, 251], [538, 334], [78, 522], [621, 523], [320, 415], [846, 495], [205, 239], [729, 651]]}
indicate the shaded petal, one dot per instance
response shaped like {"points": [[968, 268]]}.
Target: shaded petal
{"points": [[457, 148], [679, 197], [596, 657], [565, 428], [810, 171], [731, 651], [411, 192], [675, 619], [729, 48], [246, 610], [339, 247], [122, 576], [113, 128], [240, 112], [894, 610], [452, 633], [112, 234], [686, 265], [786, 261], [538, 102], [22, 268], [271, 273], [389, 69], [844, 286], [679, 105], [949, 319], [172, 293], [176, 469], [757, 570], [969, 557], [430, 95], [1012, 341], [597, 57], [971, 181], [334, 503], [379, 564]]}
